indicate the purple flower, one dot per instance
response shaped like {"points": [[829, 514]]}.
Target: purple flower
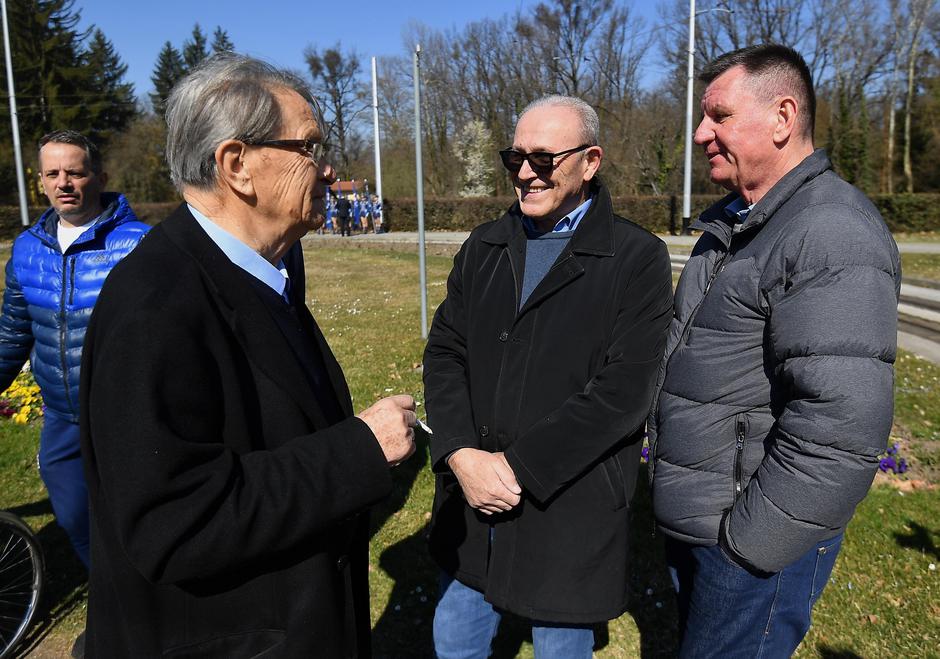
{"points": [[645, 454], [902, 466], [888, 464]]}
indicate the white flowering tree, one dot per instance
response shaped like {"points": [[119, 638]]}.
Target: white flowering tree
{"points": [[473, 148]]}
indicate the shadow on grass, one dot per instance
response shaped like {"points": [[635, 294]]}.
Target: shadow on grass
{"points": [[66, 581], [826, 652], [405, 627], [920, 538], [403, 477]]}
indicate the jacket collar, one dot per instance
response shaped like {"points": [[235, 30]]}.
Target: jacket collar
{"points": [[715, 221], [249, 317], [116, 211], [594, 235]]}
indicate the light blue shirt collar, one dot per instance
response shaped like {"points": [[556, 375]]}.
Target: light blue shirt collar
{"points": [[243, 256], [569, 222], [738, 210]]}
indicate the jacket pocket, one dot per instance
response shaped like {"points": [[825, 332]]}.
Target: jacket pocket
{"points": [[613, 475], [740, 436]]}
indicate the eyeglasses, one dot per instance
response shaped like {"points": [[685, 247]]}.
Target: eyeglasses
{"points": [[310, 148], [541, 162]]}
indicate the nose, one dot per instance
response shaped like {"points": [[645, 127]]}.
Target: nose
{"points": [[526, 172], [63, 180], [327, 173], [703, 133]]}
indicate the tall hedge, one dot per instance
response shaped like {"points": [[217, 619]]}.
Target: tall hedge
{"points": [[909, 213]]}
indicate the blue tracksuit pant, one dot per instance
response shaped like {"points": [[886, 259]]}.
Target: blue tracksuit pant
{"points": [[60, 465]]}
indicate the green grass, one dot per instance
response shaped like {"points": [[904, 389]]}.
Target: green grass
{"points": [[921, 266], [368, 306]]}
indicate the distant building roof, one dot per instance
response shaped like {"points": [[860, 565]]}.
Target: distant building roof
{"points": [[349, 186]]}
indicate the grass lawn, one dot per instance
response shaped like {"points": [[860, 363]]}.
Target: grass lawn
{"points": [[921, 266], [882, 601]]}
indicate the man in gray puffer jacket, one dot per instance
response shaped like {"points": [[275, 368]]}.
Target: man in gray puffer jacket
{"points": [[775, 396]]}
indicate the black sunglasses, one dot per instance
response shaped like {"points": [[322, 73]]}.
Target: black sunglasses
{"points": [[310, 148], [541, 162]]}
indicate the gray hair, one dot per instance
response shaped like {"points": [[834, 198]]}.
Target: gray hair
{"points": [[229, 96], [590, 124]]}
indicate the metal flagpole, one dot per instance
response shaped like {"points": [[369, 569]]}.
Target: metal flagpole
{"points": [[687, 177], [375, 126], [14, 120], [419, 172]]}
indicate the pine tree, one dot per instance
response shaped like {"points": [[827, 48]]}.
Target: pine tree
{"points": [[110, 100], [168, 70], [220, 42], [194, 49], [50, 80]]}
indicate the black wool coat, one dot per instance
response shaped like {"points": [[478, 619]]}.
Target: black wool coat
{"points": [[226, 508], [563, 386]]}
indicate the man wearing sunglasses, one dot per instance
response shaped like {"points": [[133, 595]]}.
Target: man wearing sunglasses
{"points": [[538, 375], [228, 476]]}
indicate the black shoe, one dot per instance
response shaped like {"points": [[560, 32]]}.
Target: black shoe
{"points": [[78, 647]]}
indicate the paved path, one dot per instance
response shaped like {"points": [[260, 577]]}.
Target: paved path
{"points": [[457, 238]]}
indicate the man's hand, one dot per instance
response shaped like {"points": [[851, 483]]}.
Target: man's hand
{"points": [[487, 480], [392, 421]]}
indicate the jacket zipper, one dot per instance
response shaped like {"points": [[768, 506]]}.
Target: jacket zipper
{"points": [[739, 458], [62, 329], [682, 339], [71, 282]]}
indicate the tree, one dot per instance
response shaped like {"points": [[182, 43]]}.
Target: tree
{"points": [[220, 42], [136, 161], [336, 81], [473, 148], [59, 82], [168, 70], [194, 48], [111, 104]]}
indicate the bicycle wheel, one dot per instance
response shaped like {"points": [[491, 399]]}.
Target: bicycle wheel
{"points": [[21, 579]]}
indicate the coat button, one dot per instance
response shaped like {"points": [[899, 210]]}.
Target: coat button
{"points": [[484, 431], [341, 563], [503, 335]]}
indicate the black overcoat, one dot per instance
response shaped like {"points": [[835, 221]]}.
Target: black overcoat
{"points": [[563, 386], [226, 509]]}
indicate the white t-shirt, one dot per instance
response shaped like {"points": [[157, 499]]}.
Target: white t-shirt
{"points": [[68, 235]]}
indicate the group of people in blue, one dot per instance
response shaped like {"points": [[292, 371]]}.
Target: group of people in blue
{"points": [[352, 212]]}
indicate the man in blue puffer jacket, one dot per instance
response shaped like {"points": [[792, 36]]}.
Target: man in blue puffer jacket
{"points": [[53, 279]]}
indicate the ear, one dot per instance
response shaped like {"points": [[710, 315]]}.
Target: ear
{"points": [[232, 167], [103, 177], [592, 161], [787, 112]]}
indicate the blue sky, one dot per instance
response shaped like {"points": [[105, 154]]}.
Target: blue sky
{"points": [[279, 30]]}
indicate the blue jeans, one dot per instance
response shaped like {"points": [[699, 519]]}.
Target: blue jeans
{"points": [[60, 466], [726, 611], [465, 625]]}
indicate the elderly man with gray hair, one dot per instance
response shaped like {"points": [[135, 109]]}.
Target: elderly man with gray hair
{"points": [[228, 476], [538, 374]]}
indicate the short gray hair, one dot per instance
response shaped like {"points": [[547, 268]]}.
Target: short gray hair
{"points": [[227, 97], [590, 124]]}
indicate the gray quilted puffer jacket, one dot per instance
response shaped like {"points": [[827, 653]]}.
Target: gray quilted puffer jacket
{"points": [[775, 396]]}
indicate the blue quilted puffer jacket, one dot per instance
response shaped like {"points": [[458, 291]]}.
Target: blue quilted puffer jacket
{"points": [[49, 298]]}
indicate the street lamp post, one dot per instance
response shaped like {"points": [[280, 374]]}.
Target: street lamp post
{"points": [[687, 174], [375, 127], [419, 172], [14, 120]]}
